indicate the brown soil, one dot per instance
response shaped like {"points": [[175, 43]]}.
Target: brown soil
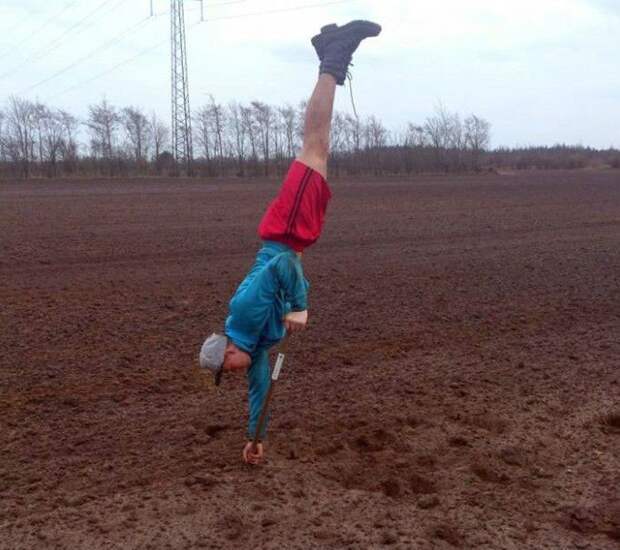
{"points": [[459, 384]]}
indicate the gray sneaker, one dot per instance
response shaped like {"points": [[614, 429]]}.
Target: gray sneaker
{"points": [[335, 46]]}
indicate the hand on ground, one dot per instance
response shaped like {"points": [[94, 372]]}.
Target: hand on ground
{"points": [[296, 320], [253, 457]]}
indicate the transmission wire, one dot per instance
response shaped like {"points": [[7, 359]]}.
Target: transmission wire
{"points": [[39, 29], [106, 45], [42, 52], [166, 40]]}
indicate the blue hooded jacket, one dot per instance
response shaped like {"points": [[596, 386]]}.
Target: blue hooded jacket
{"points": [[274, 287]]}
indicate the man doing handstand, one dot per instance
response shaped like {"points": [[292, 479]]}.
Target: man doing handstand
{"points": [[272, 300]]}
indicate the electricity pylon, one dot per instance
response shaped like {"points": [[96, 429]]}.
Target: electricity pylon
{"points": [[181, 114]]}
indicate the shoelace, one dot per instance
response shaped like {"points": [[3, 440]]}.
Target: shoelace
{"points": [[350, 79]]}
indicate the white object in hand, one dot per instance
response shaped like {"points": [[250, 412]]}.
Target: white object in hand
{"points": [[278, 367]]}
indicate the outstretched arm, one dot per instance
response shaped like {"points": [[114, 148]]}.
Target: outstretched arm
{"points": [[259, 379]]}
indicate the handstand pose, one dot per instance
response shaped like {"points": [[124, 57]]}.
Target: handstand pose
{"points": [[272, 299]]}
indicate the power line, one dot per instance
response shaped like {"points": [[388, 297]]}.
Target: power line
{"points": [[49, 20], [57, 42], [97, 50], [18, 27], [51, 46], [118, 65], [209, 5], [219, 18], [279, 10], [225, 3]]}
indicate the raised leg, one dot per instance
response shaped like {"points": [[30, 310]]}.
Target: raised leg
{"points": [[317, 126], [335, 47]]}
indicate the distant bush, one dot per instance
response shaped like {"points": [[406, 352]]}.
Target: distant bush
{"points": [[558, 157]]}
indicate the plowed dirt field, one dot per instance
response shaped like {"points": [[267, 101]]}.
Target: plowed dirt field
{"points": [[458, 385]]}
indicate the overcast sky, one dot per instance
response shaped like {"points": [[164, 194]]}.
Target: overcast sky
{"points": [[541, 71]]}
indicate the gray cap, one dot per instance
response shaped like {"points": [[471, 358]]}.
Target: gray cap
{"points": [[212, 355]]}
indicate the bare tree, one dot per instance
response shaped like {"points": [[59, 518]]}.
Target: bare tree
{"points": [[251, 128], [338, 133], [456, 140], [301, 119], [477, 137], [40, 113], [353, 133], [263, 114], [70, 123], [439, 129], [375, 140], [102, 122], [238, 133], [217, 119], [52, 136], [138, 132], [160, 134], [69, 146], [2, 137], [255, 138], [415, 136], [376, 134], [455, 131], [278, 135], [337, 141], [20, 130], [210, 123], [203, 126], [288, 118]]}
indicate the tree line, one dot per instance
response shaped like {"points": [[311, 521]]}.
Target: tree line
{"points": [[257, 138]]}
